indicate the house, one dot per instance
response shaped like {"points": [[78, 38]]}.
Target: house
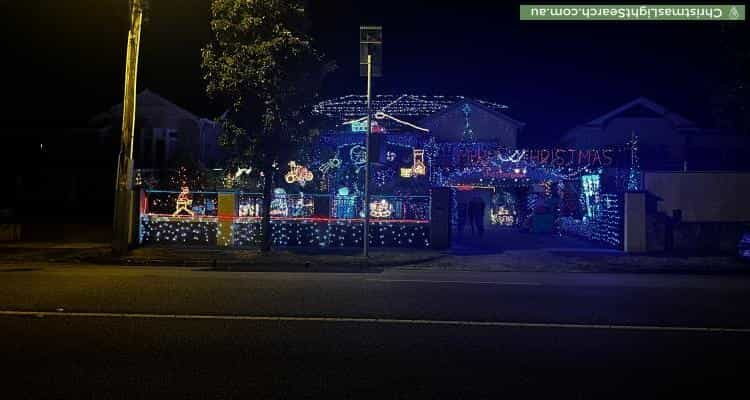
{"points": [[667, 141], [165, 133], [447, 119], [470, 120]]}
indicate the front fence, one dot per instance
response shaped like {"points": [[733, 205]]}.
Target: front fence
{"points": [[296, 220], [605, 226]]}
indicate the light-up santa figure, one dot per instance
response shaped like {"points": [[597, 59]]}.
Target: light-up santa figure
{"points": [[184, 201]]}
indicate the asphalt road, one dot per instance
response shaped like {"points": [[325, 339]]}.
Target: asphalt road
{"points": [[92, 332]]}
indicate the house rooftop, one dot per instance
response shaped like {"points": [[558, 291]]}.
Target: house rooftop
{"points": [[409, 107]]}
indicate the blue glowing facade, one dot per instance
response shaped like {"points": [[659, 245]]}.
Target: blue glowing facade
{"points": [[417, 143]]}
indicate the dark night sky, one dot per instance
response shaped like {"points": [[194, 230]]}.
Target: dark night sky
{"points": [[63, 60]]}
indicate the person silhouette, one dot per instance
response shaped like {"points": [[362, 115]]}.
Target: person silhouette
{"points": [[461, 212], [476, 216]]}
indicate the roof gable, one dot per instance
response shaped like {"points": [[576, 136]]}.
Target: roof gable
{"points": [[158, 111], [473, 103], [639, 108]]}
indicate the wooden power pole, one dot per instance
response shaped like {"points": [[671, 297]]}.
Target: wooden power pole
{"points": [[124, 196]]}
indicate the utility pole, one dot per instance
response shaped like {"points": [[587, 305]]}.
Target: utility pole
{"points": [[124, 196], [366, 200], [371, 64]]}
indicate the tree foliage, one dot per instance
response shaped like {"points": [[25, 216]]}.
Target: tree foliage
{"points": [[730, 86], [263, 67]]}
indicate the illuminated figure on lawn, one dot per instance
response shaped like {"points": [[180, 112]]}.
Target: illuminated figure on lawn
{"points": [[345, 204], [358, 155], [242, 171], [279, 204], [184, 201], [298, 173], [381, 209], [502, 216], [333, 163], [303, 207], [418, 167]]}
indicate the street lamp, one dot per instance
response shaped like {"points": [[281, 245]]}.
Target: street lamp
{"points": [[370, 64]]}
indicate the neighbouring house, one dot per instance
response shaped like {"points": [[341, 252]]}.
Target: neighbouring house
{"points": [[667, 141], [165, 134], [697, 211]]}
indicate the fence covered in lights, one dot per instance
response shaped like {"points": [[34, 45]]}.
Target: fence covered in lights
{"points": [[311, 220], [602, 219]]}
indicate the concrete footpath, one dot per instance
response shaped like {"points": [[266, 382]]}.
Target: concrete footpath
{"points": [[350, 260]]}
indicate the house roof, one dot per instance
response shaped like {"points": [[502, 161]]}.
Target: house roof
{"points": [[408, 107], [159, 111], [676, 119], [384, 117], [478, 104]]}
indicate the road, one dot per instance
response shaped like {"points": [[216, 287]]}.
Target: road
{"points": [[77, 331]]}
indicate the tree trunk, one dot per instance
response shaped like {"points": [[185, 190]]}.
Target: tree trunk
{"points": [[265, 245]]}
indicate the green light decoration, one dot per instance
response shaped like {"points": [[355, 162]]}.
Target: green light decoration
{"points": [[634, 177], [468, 135]]}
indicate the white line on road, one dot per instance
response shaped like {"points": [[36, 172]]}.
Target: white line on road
{"points": [[504, 324], [499, 283]]}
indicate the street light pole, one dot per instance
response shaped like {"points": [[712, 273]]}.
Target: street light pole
{"points": [[123, 213], [370, 65], [366, 206]]}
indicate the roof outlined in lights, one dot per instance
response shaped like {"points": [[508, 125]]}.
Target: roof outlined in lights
{"points": [[407, 106]]}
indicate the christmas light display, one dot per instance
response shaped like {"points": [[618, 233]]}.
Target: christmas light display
{"points": [[590, 190], [468, 134], [242, 171], [381, 209], [359, 125], [298, 173], [358, 155], [280, 203], [418, 167], [300, 205], [515, 157], [250, 204], [383, 177], [502, 216], [333, 163], [606, 227], [167, 229], [344, 204], [381, 115], [334, 233], [249, 210], [330, 213], [634, 176], [293, 223], [410, 107], [184, 201], [503, 209]]}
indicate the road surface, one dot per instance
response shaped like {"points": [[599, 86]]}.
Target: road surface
{"points": [[78, 331]]}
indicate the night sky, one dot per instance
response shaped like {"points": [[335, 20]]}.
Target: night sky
{"points": [[63, 60]]}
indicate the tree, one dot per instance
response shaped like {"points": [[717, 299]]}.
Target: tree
{"points": [[263, 67], [730, 85]]}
